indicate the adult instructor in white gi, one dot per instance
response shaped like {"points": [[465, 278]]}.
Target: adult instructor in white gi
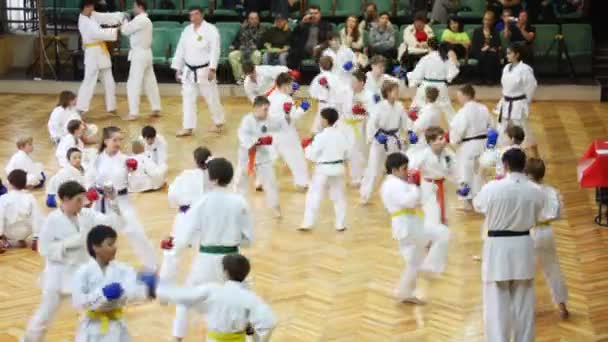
{"points": [[97, 62], [195, 64], [141, 71], [511, 206]]}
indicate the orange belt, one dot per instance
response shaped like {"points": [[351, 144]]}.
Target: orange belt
{"points": [[440, 196], [251, 162], [271, 90]]}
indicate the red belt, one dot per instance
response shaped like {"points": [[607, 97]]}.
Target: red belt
{"points": [[271, 90], [440, 196]]}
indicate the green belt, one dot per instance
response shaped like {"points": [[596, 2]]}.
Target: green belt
{"points": [[219, 249]]}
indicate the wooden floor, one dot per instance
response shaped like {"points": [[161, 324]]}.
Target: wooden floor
{"points": [[327, 286]]}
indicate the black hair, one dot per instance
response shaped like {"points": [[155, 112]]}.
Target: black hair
{"points": [[18, 179], [248, 67], [514, 159], [384, 13], [237, 266], [87, 3], [142, 4], [284, 78], [443, 50], [395, 160], [457, 20], [148, 132], [331, 115], [98, 235], [360, 76], [314, 7], [69, 190], [518, 49], [196, 8], [201, 155], [260, 101], [74, 125], [220, 170], [71, 151], [106, 134]]}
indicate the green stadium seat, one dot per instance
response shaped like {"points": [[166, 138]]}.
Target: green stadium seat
{"points": [[205, 4], [399, 35], [124, 43], [224, 12], [266, 26], [129, 5], [327, 6], [166, 24], [578, 39], [545, 34], [477, 9], [344, 8], [71, 8], [185, 23], [160, 45], [172, 39], [166, 12], [438, 30], [403, 8], [228, 31]]}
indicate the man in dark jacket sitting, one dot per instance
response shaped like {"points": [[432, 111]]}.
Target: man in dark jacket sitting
{"points": [[307, 37]]}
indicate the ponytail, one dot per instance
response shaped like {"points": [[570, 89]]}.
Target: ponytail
{"points": [[201, 156], [443, 50], [107, 134]]}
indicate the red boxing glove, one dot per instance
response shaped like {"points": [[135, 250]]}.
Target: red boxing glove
{"points": [[358, 109], [287, 107], [166, 243], [413, 114], [446, 136], [413, 177], [499, 177], [92, 195], [295, 74], [306, 142], [323, 82], [35, 244], [132, 164], [265, 140]]}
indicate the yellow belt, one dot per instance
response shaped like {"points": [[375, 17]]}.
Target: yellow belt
{"points": [[544, 223], [354, 123], [105, 317], [226, 337], [408, 211], [101, 44]]}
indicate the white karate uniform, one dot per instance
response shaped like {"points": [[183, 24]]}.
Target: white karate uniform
{"points": [[544, 244], [66, 174], [141, 71], [20, 216], [413, 236], [389, 118], [197, 47], [287, 141], [340, 57], [508, 266], [353, 126], [429, 115], [67, 142], [328, 97], [472, 120], [250, 130], [58, 123], [329, 151], [219, 218], [63, 244], [229, 307], [374, 85], [148, 176], [87, 294], [97, 62], [22, 161], [158, 150], [517, 81], [112, 170], [265, 80], [432, 71]]}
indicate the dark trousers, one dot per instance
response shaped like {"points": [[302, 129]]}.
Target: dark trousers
{"points": [[488, 66]]}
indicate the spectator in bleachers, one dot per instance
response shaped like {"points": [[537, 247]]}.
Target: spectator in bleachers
{"points": [[485, 49], [382, 38], [307, 37], [352, 37], [275, 7], [521, 32], [246, 45], [514, 5], [415, 39], [457, 39], [442, 9], [540, 11], [495, 7], [369, 17], [167, 5], [276, 42]]}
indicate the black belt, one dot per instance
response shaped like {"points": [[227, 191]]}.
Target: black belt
{"points": [[184, 208], [510, 108], [435, 80], [477, 137], [392, 133], [333, 162], [122, 192], [506, 233], [193, 68]]}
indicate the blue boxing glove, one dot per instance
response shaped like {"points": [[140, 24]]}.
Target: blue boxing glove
{"points": [[381, 138], [3, 189], [348, 66], [112, 291], [150, 279], [412, 137], [492, 138], [464, 190], [295, 86], [50, 201], [377, 98], [305, 105]]}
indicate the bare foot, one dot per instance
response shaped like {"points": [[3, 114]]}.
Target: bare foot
{"points": [[476, 257], [113, 112], [184, 133], [155, 114], [277, 213], [259, 188], [216, 129], [300, 188], [131, 117], [413, 300], [563, 311]]}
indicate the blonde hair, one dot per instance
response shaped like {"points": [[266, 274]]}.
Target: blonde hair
{"points": [[24, 140], [137, 147]]}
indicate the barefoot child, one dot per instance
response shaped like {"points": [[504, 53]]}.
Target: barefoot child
{"points": [[428, 116], [155, 146], [72, 139], [148, 175], [327, 88], [260, 80], [74, 171], [22, 160], [63, 114], [342, 56], [377, 76]]}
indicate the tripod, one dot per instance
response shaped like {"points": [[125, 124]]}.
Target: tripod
{"points": [[562, 51], [55, 42]]}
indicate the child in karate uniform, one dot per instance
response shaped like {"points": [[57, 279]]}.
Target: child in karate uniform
{"points": [[103, 286], [469, 129], [232, 309], [542, 234], [22, 160], [72, 139], [63, 114], [286, 141], [111, 178], [427, 116], [493, 156], [148, 175], [187, 188], [376, 77], [387, 121], [255, 152], [220, 221], [401, 197], [261, 79], [342, 56], [156, 149], [74, 171], [62, 243], [20, 216], [327, 88], [329, 151], [357, 105]]}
